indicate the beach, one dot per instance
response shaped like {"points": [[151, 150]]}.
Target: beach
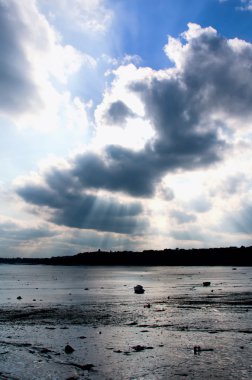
{"points": [[177, 329]]}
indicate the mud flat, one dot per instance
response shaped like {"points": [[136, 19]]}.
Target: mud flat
{"points": [[176, 329]]}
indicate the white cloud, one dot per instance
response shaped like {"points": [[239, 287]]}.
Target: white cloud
{"points": [[91, 16], [247, 5], [128, 123]]}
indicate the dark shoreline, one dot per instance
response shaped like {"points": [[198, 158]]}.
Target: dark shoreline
{"points": [[231, 256]]}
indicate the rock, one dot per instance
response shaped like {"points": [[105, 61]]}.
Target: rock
{"points": [[87, 367], [141, 348], [147, 305], [45, 350], [19, 298], [138, 348], [69, 349], [132, 323], [139, 289], [206, 283], [196, 349]]}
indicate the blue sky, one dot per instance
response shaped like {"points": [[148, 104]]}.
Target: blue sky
{"points": [[124, 125]]}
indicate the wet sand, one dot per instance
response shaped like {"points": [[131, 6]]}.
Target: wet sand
{"points": [[150, 336]]}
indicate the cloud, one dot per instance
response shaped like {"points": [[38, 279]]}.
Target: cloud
{"points": [[189, 235], [182, 217], [118, 112], [91, 16], [166, 193], [239, 220], [15, 232], [36, 67], [189, 106], [19, 239], [247, 5], [200, 204], [18, 91], [65, 204], [214, 71], [118, 169], [186, 105], [234, 184]]}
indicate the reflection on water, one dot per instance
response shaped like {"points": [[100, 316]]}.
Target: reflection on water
{"points": [[53, 284]]}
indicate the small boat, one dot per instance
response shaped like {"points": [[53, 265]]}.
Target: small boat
{"points": [[139, 289], [206, 283]]}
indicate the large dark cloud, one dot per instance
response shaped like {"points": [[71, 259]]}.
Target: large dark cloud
{"points": [[18, 92], [120, 169], [73, 208], [218, 75], [183, 107]]}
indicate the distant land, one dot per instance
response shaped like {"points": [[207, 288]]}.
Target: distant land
{"points": [[230, 256]]}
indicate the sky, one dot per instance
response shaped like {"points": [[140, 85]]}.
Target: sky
{"points": [[125, 125]]}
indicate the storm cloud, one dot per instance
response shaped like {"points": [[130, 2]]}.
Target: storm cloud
{"points": [[186, 106], [73, 208]]}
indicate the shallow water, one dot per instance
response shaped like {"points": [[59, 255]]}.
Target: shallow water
{"points": [[124, 339]]}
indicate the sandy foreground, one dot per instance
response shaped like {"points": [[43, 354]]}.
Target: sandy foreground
{"points": [[129, 341], [176, 329]]}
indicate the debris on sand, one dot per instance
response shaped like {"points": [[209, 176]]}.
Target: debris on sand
{"points": [[84, 367], [139, 289], [206, 283], [45, 350], [141, 348], [198, 349], [19, 298], [87, 367], [69, 349], [147, 305], [134, 323]]}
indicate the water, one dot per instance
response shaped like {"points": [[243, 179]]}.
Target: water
{"points": [[59, 305]]}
